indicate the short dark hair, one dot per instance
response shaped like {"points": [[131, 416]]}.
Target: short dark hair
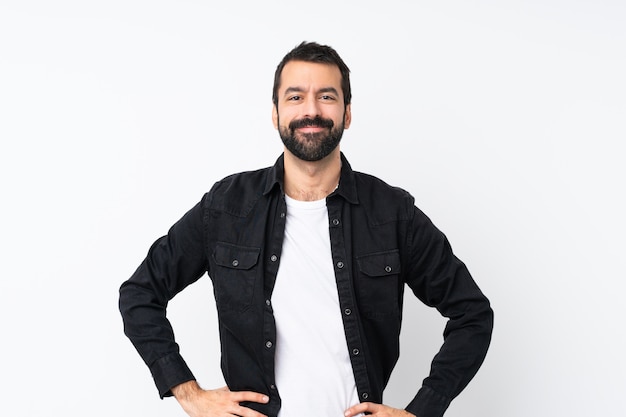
{"points": [[314, 52]]}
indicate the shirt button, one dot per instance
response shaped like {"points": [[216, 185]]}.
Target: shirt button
{"points": [[268, 344], [235, 263], [274, 258], [339, 264], [365, 395], [272, 386], [268, 302], [387, 269], [282, 215], [336, 222], [347, 311], [355, 352]]}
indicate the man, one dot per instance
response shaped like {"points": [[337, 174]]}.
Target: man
{"points": [[309, 262]]}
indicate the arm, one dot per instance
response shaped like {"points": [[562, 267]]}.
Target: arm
{"points": [[439, 279], [173, 262]]}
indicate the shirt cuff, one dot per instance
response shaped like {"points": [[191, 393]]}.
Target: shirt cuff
{"points": [[170, 371], [428, 403]]}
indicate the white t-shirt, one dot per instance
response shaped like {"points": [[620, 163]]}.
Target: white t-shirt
{"points": [[313, 372]]}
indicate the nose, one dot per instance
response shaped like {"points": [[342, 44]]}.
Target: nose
{"points": [[311, 107]]}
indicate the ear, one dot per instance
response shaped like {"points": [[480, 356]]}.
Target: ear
{"points": [[275, 116], [347, 118]]}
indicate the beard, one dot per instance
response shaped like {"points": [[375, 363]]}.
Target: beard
{"points": [[311, 146]]}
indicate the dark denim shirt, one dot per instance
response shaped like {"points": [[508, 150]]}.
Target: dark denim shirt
{"points": [[380, 242]]}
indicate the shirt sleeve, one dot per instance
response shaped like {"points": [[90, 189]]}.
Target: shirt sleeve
{"points": [[439, 279], [173, 262]]}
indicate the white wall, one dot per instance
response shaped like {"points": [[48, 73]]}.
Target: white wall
{"points": [[505, 119]]}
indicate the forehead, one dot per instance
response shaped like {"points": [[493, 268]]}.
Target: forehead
{"points": [[308, 75]]}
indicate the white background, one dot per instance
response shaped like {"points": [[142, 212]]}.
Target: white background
{"points": [[505, 119]]}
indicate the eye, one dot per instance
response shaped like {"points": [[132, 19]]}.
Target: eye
{"points": [[294, 98], [327, 98]]}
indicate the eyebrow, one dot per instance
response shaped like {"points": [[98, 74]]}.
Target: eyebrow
{"points": [[321, 90]]}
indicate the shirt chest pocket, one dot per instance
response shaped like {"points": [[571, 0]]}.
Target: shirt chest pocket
{"points": [[378, 284], [234, 276]]}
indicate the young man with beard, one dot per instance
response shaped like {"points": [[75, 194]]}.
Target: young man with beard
{"points": [[309, 260]]}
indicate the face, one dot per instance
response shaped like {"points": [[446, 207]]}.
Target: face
{"points": [[310, 114]]}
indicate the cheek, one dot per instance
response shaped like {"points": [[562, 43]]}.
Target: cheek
{"points": [[284, 118], [339, 118]]}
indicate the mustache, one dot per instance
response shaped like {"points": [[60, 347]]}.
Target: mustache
{"points": [[316, 121]]}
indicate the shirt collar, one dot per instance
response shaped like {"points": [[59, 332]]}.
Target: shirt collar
{"points": [[347, 183]]}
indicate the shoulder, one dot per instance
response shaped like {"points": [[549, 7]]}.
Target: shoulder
{"points": [[386, 202], [243, 181], [367, 182], [237, 193]]}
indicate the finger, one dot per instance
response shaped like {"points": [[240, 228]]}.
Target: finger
{"points": [[247, 412], [254, 397], [360, 408]]}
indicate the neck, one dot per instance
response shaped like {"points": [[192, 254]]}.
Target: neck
{"points": [[311, 181]]}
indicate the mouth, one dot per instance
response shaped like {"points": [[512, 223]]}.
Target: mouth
{"points": [[310, 129], [311, 125]]}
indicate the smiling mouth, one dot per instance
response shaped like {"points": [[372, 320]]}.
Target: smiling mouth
{"points": [[310, 128], [311, 125]]}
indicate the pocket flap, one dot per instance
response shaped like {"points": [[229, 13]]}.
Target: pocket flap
{"points": [[380, 264], [234, 256]]}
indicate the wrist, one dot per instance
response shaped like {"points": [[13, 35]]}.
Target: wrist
{"points": [[186, 390]]}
